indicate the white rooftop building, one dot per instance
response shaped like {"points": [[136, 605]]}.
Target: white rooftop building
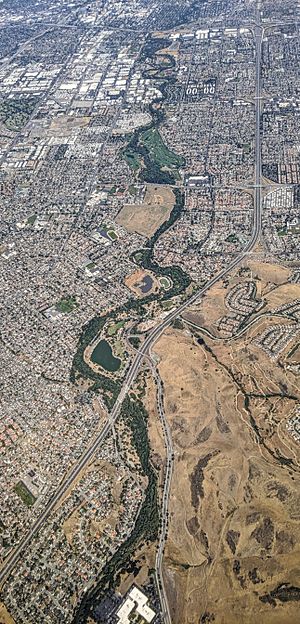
{"points": [[135, 604]]}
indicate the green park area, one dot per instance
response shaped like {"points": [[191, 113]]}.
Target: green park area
{"points": [[109, 232], [112, 235], [132, 158], [158, 151], [232, 238], [165, 282], [247, 148], [24, 493], [167, 305], [32, 219], [147, 154], [66, 305], [132, 190], [138, 256], [282, 231], [113, 329], [14, 113]]}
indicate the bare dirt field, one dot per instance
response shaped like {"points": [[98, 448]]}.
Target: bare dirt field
{"points": [[144, 558], [147, 217], [232, 554], [157, 443], [5, 618]]}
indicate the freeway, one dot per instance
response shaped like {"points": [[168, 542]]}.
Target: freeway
{"points": [[13, 558]]}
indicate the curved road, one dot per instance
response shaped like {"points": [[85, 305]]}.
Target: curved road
{"points": [[13, 558], [241, 331]]}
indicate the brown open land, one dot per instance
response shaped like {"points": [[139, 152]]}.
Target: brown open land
{"points": [[61, 126], [144, 559], [67, 123], [147, 217], [232, 554], [157, 443], [5, 618]]}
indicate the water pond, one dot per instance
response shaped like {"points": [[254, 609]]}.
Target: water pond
{"points": [[103, 356]]}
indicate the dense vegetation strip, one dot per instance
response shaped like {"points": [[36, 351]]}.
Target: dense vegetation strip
{"points": [[160, 165], [146, 152], [81, 370], [145, 256]]}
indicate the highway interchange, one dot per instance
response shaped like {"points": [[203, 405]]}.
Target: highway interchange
{"points": [[12, 560]]}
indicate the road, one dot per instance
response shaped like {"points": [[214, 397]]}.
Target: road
{"points": [[241, 331], [165, 500], [258, 105], [13, 558]]}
